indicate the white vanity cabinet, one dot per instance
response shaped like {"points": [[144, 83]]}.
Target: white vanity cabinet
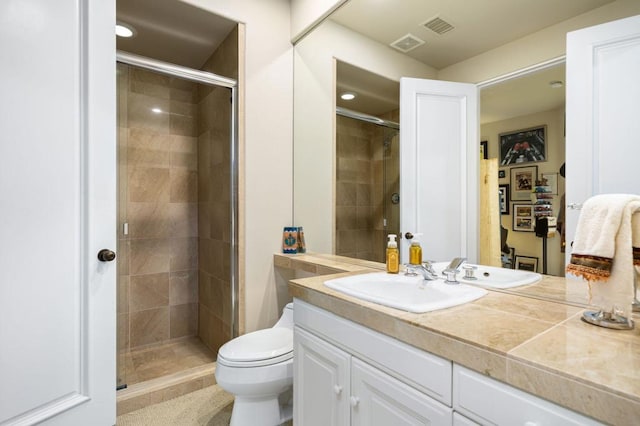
{"points": [[489, 401], [346, 374], [321, 375]]}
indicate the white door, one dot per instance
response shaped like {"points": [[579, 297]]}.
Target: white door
{"points": [[603, 65], [439, 148], [57, 210], [380, 400], [321, 382]]}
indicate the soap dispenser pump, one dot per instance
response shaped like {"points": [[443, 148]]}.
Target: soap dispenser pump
{"points": [[415, 251], [393, 255]]}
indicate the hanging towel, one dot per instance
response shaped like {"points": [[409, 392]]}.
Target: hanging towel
{"points": [[606, 246], [604, 228]]}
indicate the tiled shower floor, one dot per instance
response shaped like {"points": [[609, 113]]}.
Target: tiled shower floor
{"points": [[150, 363]]}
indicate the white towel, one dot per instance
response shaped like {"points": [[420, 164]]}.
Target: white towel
{"points": [[606, 246]]}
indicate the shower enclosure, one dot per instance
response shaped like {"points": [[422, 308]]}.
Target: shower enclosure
{"points": [[177, 251], [367, 184]]}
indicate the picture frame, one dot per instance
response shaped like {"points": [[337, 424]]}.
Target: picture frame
{"points": [[523, 217], [523, 180], [552, 182], [484, 150], [502, 174], [527, 263], [523, 146], [503, 190]]}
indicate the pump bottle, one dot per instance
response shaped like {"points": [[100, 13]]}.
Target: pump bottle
{"points": [[393, 256], [415, 251]]}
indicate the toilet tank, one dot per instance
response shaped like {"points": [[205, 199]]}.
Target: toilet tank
{"points": [[286, 320]]}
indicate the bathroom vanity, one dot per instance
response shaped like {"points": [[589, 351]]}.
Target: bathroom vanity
{"points": [[502, 359]]}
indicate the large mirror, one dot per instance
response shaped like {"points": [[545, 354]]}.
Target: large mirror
{"points": [[500, 50]]}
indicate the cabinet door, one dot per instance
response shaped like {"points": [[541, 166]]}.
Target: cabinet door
{"points": [[379, 399], [320, 382]]}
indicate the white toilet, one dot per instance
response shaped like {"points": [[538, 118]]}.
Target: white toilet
{"points": [[257, 368]]}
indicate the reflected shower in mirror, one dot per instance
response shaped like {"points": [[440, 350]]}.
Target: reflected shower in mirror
{"points": [[367, 163]]}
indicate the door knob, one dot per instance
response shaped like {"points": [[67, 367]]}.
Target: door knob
{"points": [[106, 255]]}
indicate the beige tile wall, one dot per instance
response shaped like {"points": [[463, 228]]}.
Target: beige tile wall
{"points": [[214, 199], [157, 260], [360, 192]]}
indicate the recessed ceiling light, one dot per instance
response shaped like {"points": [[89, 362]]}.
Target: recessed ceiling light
{"points": [[348, 96], [124, 30], [156, 110], [556, 84]]}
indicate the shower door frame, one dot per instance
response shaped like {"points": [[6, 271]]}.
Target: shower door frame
{"points": [[212, 79], [388, 124]]}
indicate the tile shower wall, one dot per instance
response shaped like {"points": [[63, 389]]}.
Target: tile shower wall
{"points": [[214, 199], [361, 190], [158, 287]]}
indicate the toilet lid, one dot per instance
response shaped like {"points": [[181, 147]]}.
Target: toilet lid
{"points": [[259, 345]]}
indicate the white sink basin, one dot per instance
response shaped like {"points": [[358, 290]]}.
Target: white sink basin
{"points": [[411, 294], [493, 277]]}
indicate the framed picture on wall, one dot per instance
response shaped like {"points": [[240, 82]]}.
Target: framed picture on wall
{"points": [[504, 198], [523, 219], [483, 150], [523, 146], [552, 181], [523, 180], [502, 174], [527, 263]]}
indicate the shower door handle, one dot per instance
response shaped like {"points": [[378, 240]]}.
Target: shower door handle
{"points": [[106, 255]]}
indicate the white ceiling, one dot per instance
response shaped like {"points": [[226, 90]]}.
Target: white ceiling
{"points": [[171, 31], [484, 26], [479, 25]]}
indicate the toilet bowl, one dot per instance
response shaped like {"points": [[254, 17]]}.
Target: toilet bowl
{"points": [[257, 368]]}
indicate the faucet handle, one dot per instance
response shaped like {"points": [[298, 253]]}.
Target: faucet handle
{"points": [[410, 270], [456, 262]]}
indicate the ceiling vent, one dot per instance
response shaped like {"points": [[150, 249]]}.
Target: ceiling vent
{"points": [[438, 25], [407, 43]]}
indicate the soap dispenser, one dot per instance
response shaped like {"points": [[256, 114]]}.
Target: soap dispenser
{"points": [[393, 256], [415, 251]]}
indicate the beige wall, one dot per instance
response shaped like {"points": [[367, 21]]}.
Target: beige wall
{"points": [[307, 13], [526, 243], [265, 134], [314, 125]]}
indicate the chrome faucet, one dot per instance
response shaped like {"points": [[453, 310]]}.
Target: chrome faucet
{"points": [[451, 270], [425, 268]]}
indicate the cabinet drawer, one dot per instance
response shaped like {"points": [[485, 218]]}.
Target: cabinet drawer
{"points": [[488, 401], [426, 372]]}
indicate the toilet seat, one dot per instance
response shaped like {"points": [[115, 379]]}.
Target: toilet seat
{"points": [[258, 348]]}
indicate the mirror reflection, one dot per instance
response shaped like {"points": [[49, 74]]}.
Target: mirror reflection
{"points": [[367, 163], [369, 39]]}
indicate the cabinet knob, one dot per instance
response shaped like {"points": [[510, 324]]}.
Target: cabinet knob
{"points": [[354, 400], [337, 389]]}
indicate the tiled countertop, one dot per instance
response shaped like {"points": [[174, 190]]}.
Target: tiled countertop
{"points": [[527, 340]]}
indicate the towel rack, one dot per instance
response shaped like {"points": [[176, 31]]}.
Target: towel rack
{"points": [[574, 206]]}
